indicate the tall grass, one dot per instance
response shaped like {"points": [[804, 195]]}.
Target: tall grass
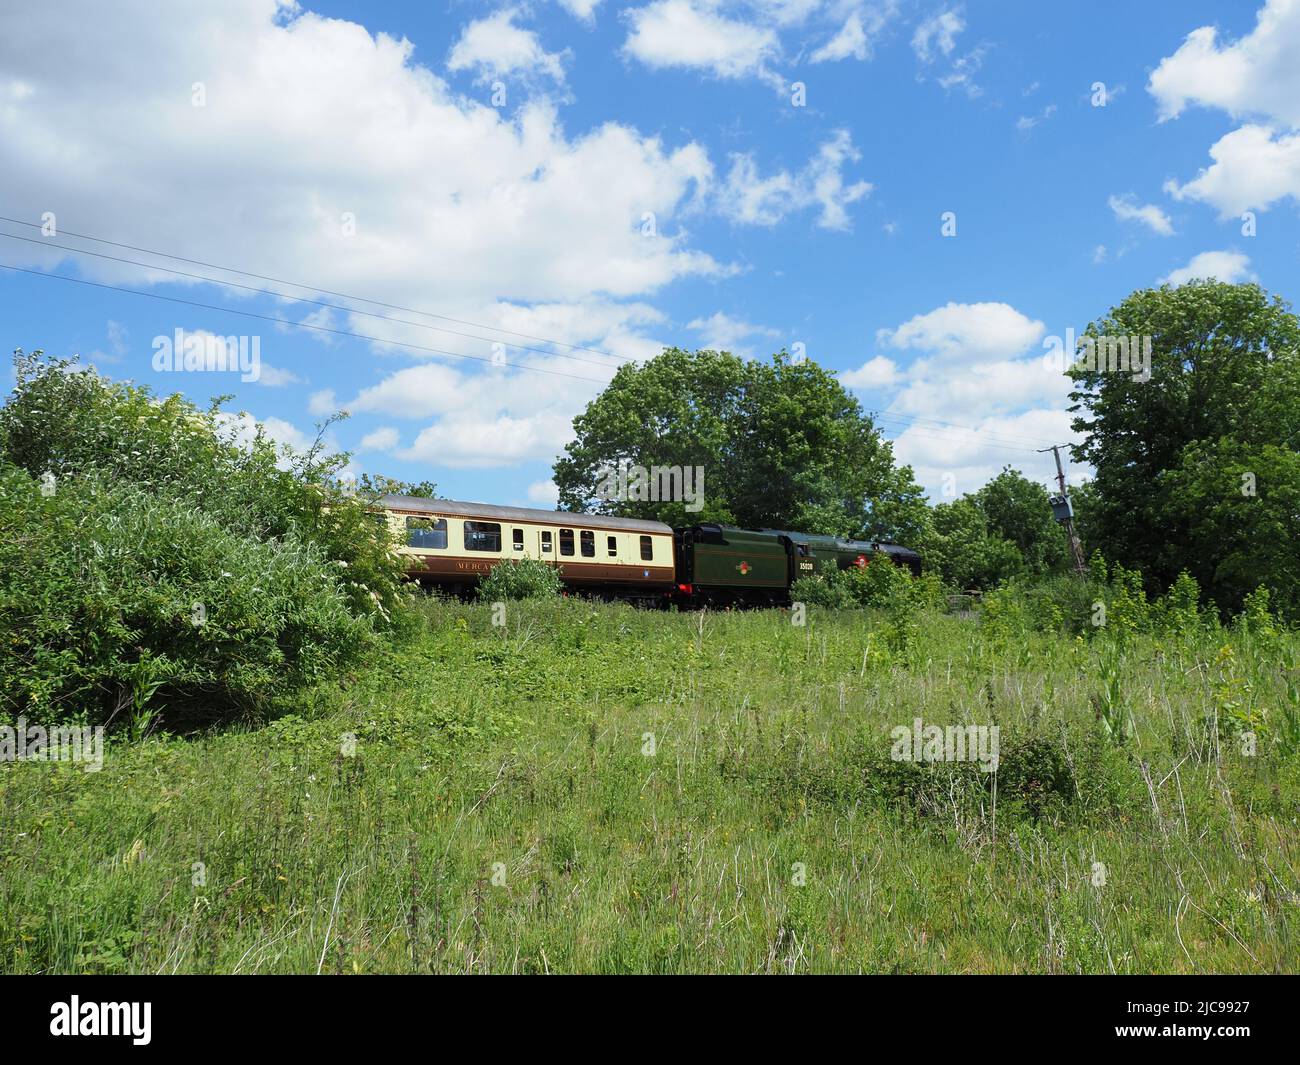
{"points": [[601, 789]]}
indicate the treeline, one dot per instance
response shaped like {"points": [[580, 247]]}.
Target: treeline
{"points": [[1196, 462]]}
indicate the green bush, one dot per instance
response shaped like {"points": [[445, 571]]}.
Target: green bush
{"points": [[830, 591], [68, 423], [117, 603], [520, 578]]}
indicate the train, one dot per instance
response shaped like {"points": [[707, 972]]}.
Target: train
{"points": [[450, 546]]}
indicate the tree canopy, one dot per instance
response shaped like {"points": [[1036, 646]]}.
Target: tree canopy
{"points": [[781, 443], [1196, 467]]}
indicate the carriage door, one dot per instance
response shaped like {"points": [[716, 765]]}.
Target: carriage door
{"points": [[546, 545]]}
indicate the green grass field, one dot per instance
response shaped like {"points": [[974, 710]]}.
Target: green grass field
{"points": [[599, 789]]}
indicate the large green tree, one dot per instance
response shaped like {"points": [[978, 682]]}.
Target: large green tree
{"points": [[782, 444], [1224, 384]]}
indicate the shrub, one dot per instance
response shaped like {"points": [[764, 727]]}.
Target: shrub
{"points": [[71, 423], [520, 578], [117, 603], [830, 591]]}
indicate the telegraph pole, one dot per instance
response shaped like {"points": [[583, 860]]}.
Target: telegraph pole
{"points": [[1063, 509]]}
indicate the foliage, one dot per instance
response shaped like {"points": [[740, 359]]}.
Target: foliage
{"points": [[782, 444], [69, 423], [520, 578], [588, 788], [961, 549], [1223, 399], [117, 603], [123, 510]]}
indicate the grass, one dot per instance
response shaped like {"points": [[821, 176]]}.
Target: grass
{"points": [[599, 789]]}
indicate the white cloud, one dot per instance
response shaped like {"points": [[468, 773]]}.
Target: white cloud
{"points": [[963, 459], [496, 47], [937, 34], [877, 372], [322, 403], [1027, 122], [746, 197], [966, 331], [449, 196], [935, 43], [585, 10], [274, 377], [850, 41], [1253, 168], [973, 369], [543, 492], [1127, 209], [382, 439], [721, 332], [683, 33], [1226, 266], [1255, 75]]}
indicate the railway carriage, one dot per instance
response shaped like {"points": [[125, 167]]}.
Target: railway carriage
{"points": [[452, 545]]}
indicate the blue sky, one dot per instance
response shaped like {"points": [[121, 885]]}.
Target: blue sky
{"points": [[607, 178]]}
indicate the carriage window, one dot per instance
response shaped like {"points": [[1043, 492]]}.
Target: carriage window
{"points": [[429, 534], [647, 549], [612, 543], [519, 539], [566, 541], [482, 536], [588, 544], [546, 542]]}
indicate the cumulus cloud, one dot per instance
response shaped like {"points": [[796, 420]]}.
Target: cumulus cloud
{"points": [[976, 395], [543, 492], [689, 34], [877, 372], [966, 331], [1253, 168], [1256, 75], [1226, 266], [495, 47], [398, 187], [585, 10], [1127, 209], [384, 438], [751, 198], [721, 332]]}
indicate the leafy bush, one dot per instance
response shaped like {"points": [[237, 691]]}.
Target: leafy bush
{"points": [[117, 603], [520, 578], [830, 591], [68, 423], [121, 511]]}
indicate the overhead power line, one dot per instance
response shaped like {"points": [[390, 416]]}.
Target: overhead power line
{"points": [[295, 325], [309, 288]]}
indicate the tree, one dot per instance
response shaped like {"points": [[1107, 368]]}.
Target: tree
{"points": [[1240, 505], [1225, 368], [782, 444], [960, 547], [1017, 510]]}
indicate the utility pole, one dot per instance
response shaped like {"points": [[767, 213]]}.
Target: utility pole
{"points": [[1063, 509]]}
